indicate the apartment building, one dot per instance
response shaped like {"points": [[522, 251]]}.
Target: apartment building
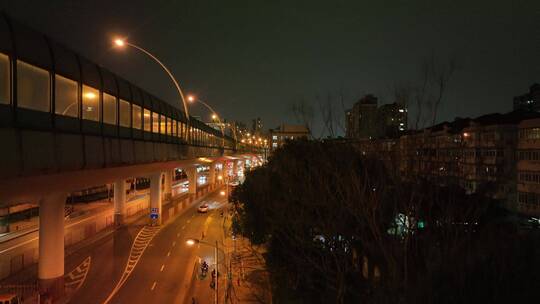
{"points": [[528, 167], [499, 152]]}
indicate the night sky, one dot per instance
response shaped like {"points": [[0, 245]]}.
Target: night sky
{"points": [[256, 58]]}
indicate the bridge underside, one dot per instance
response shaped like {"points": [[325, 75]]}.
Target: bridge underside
{"points": [[35, 163]]}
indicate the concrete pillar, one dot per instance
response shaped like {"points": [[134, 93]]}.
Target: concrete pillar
{"points": [[167, 191], [51, 245], [235, 168], [119, 201], [212, 174], [155, 196], [192, 179]]}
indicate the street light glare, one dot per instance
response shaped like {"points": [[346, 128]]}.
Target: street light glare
{"points": [[191, 98], [119, 42], [214, 116], [222, 193], [190, 242]]}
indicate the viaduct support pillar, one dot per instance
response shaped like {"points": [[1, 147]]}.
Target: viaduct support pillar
{"points": [[192, 179], [235, 169], [155, 197], [51, 245], [212, 175], [167, 191], [119, 202]]}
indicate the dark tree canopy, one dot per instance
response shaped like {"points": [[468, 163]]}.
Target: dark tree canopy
{"points": [[340, 228]]}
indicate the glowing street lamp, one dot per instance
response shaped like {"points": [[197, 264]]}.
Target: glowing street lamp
{"points": [[90, 95], [192, 99], [121, 43], [191, 242]]}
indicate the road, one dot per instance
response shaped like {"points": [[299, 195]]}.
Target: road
{"points": [[163, 273]]}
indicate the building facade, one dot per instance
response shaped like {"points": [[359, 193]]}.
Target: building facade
{"points": [[361, 119], [256, 126], [528, 167], [281, 134], [365, 120], [496, 153], [529, 101], [391, 120]]}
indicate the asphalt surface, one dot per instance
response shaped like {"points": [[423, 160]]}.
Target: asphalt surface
{"points": [[166, 271]]}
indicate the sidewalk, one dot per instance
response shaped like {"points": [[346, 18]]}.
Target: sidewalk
{"points": [[250, 282]]}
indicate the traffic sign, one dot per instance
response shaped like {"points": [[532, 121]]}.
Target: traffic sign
{"points": [[154, 216]]}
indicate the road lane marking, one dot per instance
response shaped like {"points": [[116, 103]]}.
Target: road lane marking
{"points": [[183, 227], [162, 267], [141, 242], [188, 221], [168, 253], [173, 243], [153, 286], [178, 234], [75, 279]]}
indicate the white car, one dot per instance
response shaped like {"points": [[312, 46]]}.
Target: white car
{"points": [[203, 208]]}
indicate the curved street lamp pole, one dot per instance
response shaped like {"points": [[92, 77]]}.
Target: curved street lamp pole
{"points": [[191, 242], [222, 126], [121, 43]]}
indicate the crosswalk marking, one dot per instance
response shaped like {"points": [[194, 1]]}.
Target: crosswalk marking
{"points": [[75, 279]]}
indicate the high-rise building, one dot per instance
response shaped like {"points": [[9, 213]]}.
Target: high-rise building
{"points": [[240, 129], [367, 121], [361, 119], [256, 126], [529, 101], [391, 120]]}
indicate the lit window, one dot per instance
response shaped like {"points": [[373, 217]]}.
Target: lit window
{"points": [[137, 122], [66, 102], [109, 109], [90, 103], [4, 79], [401, 110], [155, 122], [274, 137], [274, 145], [163, 124], [180, 128], [32, 87], [125, 114], [147, 120]]}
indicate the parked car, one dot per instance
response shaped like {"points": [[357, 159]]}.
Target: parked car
{"points": [[203, 208]]}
